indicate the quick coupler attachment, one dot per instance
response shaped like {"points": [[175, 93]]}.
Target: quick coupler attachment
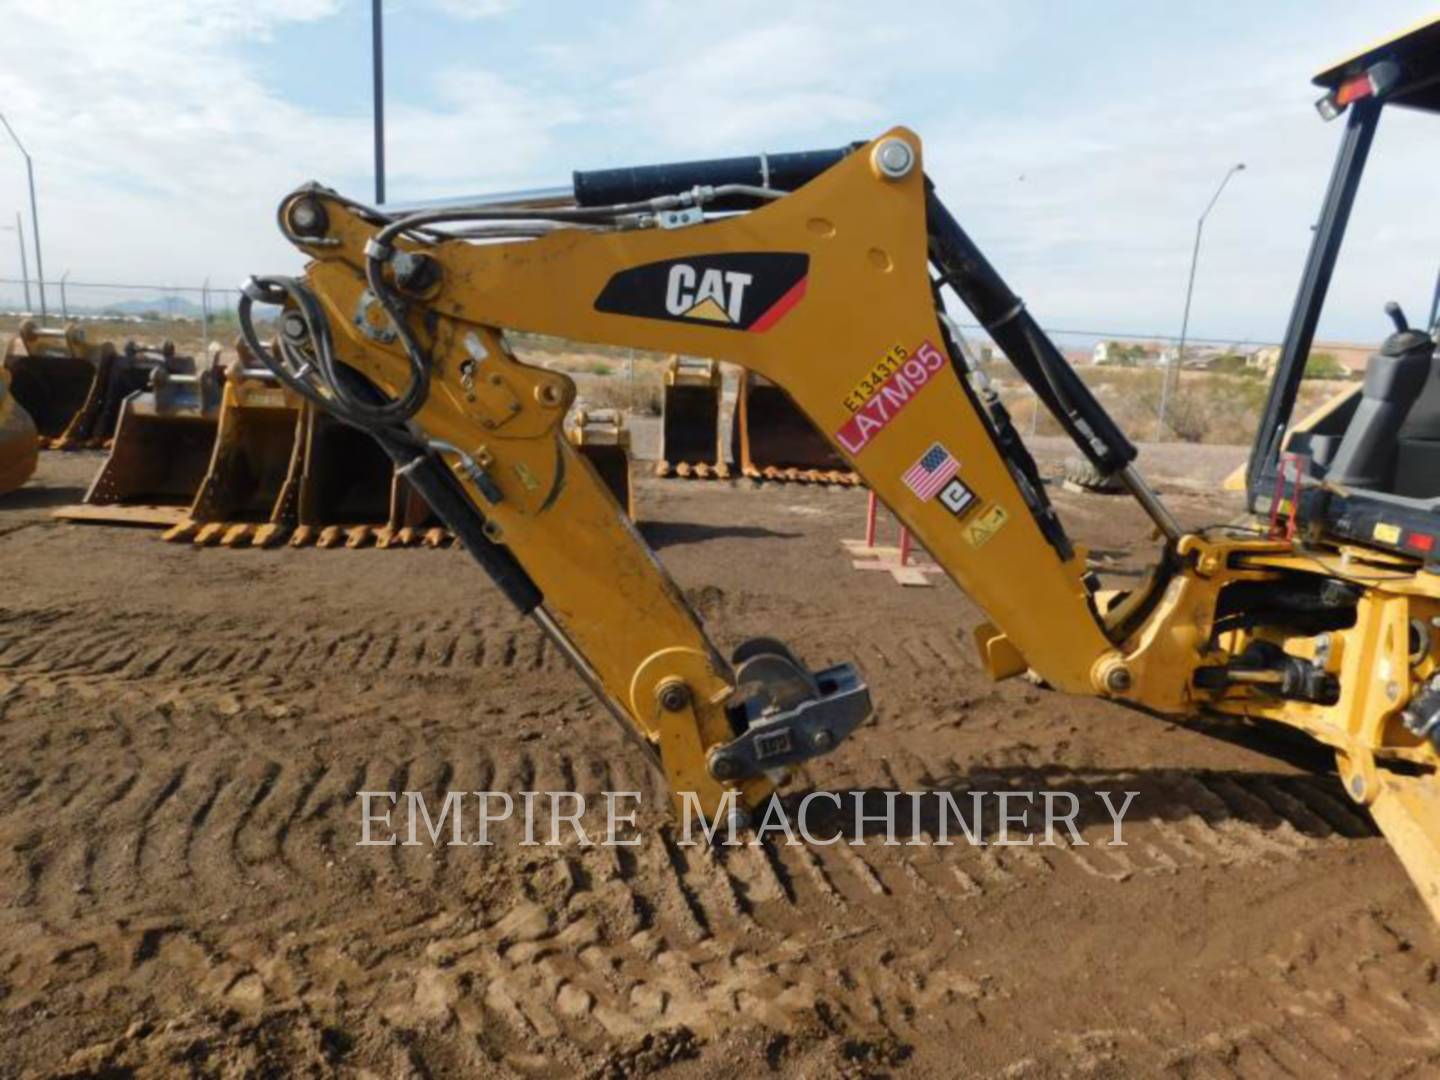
{"points": [[786, 714]]}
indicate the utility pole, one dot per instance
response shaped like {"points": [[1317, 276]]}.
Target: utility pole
{"points": [[64, 303], [377, 45], [1172, 371], [19, 231], [34, 213]]}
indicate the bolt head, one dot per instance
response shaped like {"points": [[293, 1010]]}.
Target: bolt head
{"points": [[723, 767], [674, 696], [894, 158], [822, 740], [1118, 680], [292, 325]]}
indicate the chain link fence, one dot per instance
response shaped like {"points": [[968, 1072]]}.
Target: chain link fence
{"points": [[1216, 390], [189, 314]]}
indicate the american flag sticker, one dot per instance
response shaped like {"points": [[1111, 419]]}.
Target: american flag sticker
{"points": [[931, 473]]}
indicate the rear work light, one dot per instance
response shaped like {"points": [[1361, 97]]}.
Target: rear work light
{"points": [[1377, 81]]}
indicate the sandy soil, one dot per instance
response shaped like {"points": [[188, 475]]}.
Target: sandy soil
{"points": [[182, 733]]}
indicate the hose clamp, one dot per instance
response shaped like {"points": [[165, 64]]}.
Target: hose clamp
{"points": [[262, 292], [1013, 313]]}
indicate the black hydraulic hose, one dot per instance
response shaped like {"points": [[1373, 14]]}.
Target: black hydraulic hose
{"points": [[428, 476], [779, 172], [361, 413], [965, 269]]}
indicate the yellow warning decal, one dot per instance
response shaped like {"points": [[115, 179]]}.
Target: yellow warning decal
{"points": [[980, 531], [1387, 534]]}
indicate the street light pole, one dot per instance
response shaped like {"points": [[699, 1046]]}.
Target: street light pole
{"points": [[377, 59], [19, 232], [1174, 368], [34, 213]]}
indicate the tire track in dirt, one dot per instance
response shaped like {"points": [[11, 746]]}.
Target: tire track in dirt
{"points": [[196, 776]]}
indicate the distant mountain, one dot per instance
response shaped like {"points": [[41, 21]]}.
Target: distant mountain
{"points": [[165, 305]]}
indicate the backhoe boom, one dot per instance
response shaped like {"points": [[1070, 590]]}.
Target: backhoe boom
{"points": [[824, 278]]}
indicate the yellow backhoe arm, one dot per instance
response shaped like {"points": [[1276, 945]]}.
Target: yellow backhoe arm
{"points": [[827, 291]]}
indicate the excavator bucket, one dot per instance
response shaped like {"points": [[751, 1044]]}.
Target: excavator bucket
{"points": [[603, 440], [771, 439], [280, 470], [164, 440], [343, 492], [19, 447], [249, 494], [690, 421], [411, 521], [64, 383]]}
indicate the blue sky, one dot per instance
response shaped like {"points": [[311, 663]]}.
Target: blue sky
{"points": [[1077, 141]]}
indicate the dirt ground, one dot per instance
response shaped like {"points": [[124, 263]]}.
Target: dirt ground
{"points": [[182, 733]]}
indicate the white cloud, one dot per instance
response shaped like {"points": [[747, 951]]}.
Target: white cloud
{"points": [[161, 154], [163, 142], [471, 9]]}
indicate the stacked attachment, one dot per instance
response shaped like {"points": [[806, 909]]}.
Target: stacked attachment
{"points": [[603, 440], [19, 447], [281, 471], [245, 495], [690, 421], [164, 439], [70, 388], [771, 439]]}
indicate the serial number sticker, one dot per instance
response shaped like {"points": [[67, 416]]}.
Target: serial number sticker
{"points": [[1387, 534], [866, 387], [890, 397], [980, 531]]}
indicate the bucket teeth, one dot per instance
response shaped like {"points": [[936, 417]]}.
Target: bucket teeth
{"points": [[330, 536], [236, 536], [357, 536], [180, 533], [209, 534], [771, 439], [269, 535], [690, 418], [435, 537]]}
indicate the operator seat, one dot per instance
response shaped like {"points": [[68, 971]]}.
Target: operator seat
{"points": [[1370, 456], [1417, 457]]}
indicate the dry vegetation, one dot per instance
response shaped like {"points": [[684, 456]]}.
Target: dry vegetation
{"points": [[1206, 407]]}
